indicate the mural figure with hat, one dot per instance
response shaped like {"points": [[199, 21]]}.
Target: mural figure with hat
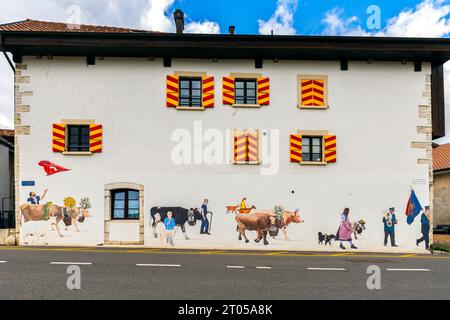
{"points": [[35, 199], [425, 221], [389, 221]]}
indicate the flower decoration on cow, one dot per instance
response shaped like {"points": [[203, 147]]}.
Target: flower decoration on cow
{"points": [[70, 202], [85, 205]]}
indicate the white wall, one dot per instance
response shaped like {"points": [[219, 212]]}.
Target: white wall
{"points": [[373, 111]]}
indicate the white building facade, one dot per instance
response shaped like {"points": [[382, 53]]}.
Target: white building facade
{"points": [[125, 136]]}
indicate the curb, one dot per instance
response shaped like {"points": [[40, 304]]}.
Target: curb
{"points": [[440, 253]]}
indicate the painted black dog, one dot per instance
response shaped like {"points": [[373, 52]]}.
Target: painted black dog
{"points": [[325, 237]]}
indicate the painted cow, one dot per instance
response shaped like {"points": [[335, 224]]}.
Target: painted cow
{"points": [[181, 216], [358, 227], [262, 221], [55, 214]]}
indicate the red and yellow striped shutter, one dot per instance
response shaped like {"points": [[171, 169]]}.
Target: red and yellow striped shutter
{"points": [[264, 91], [252, 146], [240, 146], [228, 90], [330, 149], [173, 88], [59, 138], [313, 93], [246, 146], [96, 138], [208, 92], [296, 148]]}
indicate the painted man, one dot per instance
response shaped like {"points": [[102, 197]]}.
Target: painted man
{"points": [[35, 199], [389, 221], [204, 229], [425, 221]]}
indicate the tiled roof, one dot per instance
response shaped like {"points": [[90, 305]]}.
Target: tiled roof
{"points": [[6, 133], [44, 26], [441, 157]]}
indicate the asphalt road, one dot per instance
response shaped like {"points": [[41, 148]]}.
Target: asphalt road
{"points": [[41, 273]]}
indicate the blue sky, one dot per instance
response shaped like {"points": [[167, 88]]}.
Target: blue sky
{"points": [[307, 17], [406, 18]]}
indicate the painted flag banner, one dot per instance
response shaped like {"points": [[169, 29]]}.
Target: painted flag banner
{"points": [[413, 208], [50, 168]]}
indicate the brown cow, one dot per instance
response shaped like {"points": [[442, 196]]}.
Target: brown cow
{"points": [[31, 212], [55, 215], [262, 221]]}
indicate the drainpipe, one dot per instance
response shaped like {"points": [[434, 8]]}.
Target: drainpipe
{"points": [[6, 56]]}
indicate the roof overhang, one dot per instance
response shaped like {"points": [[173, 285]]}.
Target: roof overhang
{"points": [[441, 172], [227, 46]]}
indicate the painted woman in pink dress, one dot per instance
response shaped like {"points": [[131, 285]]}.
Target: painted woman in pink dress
{"points": [[345, 230]]}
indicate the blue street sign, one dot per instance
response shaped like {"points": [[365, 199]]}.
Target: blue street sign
{"points": [[28, 183]]}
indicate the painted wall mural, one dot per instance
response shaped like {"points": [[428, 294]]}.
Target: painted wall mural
{"points": [[39, 221], [65, 219]]}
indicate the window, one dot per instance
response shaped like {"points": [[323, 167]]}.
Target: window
{"points": [[245, 91], [313, 92], [125, 204], [312, 149], [246, 147], [190, 92], [78, 138]]}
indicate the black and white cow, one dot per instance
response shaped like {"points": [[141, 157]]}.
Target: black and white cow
{"points": [[181, 216]]}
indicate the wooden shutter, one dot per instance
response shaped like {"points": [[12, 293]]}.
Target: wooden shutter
{"points": [[252, 146], [264, 91], [173, 88], [228, 90], [240, 146], [246, 146], [313, 93], [208, 92], [59, 138], [96, 138], [330, 149], [296, 148]]}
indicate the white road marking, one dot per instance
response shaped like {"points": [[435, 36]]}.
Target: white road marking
{"points": [[235, 267], [3, 262], [264, 268], [71, 263], [410, 270], [327, 269], [160, 265]]}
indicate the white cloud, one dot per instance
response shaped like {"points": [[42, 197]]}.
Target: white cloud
{"points": [[156, 16], [428, 19], [335, 24], [202, 27], [282, 21]]}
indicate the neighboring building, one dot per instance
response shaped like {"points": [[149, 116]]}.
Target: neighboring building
{"points": [[6, 179], [135, 120], [441, 164]]}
